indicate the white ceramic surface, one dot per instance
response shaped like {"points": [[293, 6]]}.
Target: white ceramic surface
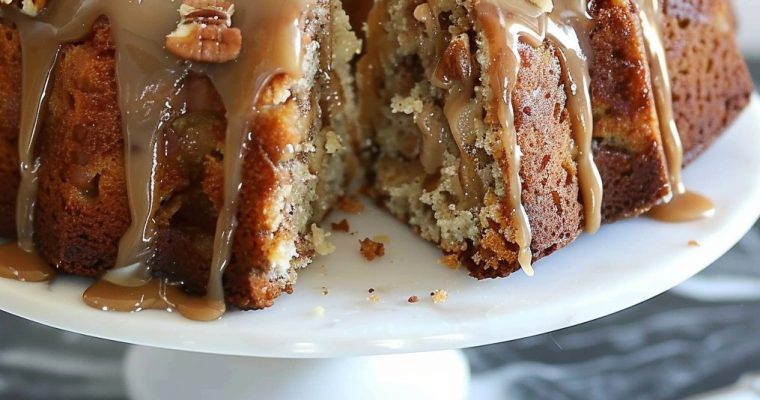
{"points": [[624, 264], [747, 12], [443, 375]]}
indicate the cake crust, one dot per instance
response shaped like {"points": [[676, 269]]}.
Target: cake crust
{"points": [[710, 79], [628, 149], [82, 208], [10, 87]]}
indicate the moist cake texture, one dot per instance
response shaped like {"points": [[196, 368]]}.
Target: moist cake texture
{"points": [[478, 115]]}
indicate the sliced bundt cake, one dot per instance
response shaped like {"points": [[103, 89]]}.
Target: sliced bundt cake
{"points": [[205, 156], [499, 129], [183, 152]]}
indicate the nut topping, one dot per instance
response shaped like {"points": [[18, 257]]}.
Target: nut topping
{"points": [[205, 32], [28, 7]]}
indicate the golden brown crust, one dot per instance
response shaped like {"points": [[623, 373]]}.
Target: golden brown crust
{"points": [[550, 183], [10, 99], [711, 82], [274, 128], [632, 181], [82, 208], [627, 147]]}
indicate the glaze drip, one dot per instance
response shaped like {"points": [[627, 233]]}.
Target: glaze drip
{"points": [[506, 24], [39, 51], [156, 294], [274, 33], [683, 205], [569, 28], [21, 265], [462, 114]]}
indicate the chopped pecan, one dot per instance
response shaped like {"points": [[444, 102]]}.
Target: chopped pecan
{"points": [[205, 32]]}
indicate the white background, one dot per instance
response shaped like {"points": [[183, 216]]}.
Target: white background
{"points": [[748, 13]]}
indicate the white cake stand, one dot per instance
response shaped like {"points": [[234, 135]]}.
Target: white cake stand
{"points": [[312, 345]]}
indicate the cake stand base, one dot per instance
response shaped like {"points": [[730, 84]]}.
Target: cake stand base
{"points": [[153, 373]]}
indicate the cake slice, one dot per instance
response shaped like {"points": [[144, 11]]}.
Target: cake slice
{"points": [[441, 157], [479, 114], [710, 79], [276, 120]]}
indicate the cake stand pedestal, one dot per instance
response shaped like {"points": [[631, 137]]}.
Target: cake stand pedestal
{"points": [[331, 319], [153, 374]]}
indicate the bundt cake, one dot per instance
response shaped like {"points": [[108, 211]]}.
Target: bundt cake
{"points": [[500, 129], [184, 152], [198, 142]]}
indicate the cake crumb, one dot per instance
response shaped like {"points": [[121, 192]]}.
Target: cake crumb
{"points": [[349, 204], [341, 226], [319, 237], [439, 296], [371, 249], [333, 143], [318, 312], [384, 239], [450, 260], [413, 299], [694, 243], [373, 298], [325, 291], [406, 105]]}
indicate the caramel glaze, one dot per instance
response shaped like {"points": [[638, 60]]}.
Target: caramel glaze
{"points": [[19, 264], [683, 205], [369, 69], [147, 78], [156, 294], [505, 25], [274, 34], [434, 133], [455, 73], [569, 28]]}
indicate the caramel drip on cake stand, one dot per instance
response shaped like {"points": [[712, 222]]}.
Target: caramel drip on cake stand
{"points": [[505, 25], [21, 265], [683, 205], [156, 294]]}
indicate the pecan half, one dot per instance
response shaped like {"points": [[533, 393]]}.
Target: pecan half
{"points": [[205, 32]]}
